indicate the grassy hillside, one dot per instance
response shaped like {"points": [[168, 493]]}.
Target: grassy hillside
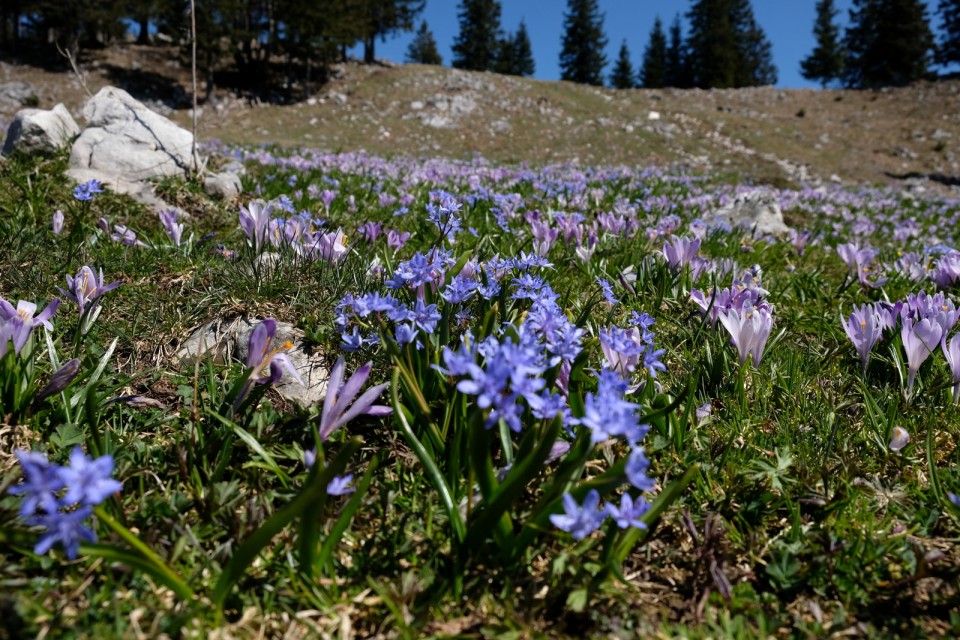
{"points": [[769, 135]]}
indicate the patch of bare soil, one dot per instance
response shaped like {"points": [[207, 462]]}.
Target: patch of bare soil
{"points": [[904, 136]]}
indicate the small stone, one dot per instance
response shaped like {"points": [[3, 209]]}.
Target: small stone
{"points": [[223, 185]]}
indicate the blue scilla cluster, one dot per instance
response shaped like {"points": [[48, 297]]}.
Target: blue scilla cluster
{"points": [[62, 498]]}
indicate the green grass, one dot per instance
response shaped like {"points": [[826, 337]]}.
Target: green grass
{"points": [[798, 520]]}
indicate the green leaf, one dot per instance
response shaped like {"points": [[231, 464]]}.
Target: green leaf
{"points": [[255, 446], [666, 498], [67, 436], [400, 414], [333, 538], [577, 600], [314, 491], [505, 495]]}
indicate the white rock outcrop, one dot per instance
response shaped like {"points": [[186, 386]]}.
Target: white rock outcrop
{"points": [[223, 341], [38, 131], [125, 144], [757, 210]]}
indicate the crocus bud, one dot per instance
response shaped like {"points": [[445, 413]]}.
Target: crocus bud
{"points": [[60, 380], [899, 440], [57, 222]]}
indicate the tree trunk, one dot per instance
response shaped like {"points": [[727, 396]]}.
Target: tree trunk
{"points": [[144, 37], [208, 92], [306, 82], [369, 53]]}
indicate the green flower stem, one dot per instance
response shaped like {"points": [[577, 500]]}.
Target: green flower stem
{"points": [[154, 563]]}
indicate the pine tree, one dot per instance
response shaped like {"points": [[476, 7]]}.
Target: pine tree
{"points": [[755, 60], [381, 18], [478, 44], [712, 55], [582, 58], [676, 69], [523, 51], [622, 76], [888, 43], [825, 63], [948, 51], [653, 72], [423, 47], [726, 46], [515, 57]]}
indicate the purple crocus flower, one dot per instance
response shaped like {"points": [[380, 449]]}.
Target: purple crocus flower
{"points": [[260, 355], [580, 520], [749, 329], [899, 439], [327, 197], [330, 246], [371, 231], [864, 329], [622, 349], [26, 310], [680, 251], [60, 380], [56, 222], [339, 406], [947, 270], [174, 229], [543, 236], [861, 262], [951, 350], [86, 288], [255, 222], [396, 239], [920, 338]]}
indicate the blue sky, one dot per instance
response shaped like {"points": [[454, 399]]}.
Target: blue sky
{"points": [[787, 23]]}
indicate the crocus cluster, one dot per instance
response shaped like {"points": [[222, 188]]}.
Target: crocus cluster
{"points": [[742, 311], [925, 322], [862, 263], [62, 498], [301, 232], [745, 290], [627, 350], [17, 323]]}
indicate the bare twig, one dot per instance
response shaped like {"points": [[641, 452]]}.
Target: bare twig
{"points": [[81, 78], [193, 73]]}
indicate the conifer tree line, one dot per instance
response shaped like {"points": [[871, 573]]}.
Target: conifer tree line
{"points": [[248, 43], [713, 44], [885, 42]]}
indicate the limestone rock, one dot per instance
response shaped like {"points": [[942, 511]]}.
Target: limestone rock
{"points": [[223, 185], [756, 210], [125, 144], [224, 341], [38, 131], [16, 94]]}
